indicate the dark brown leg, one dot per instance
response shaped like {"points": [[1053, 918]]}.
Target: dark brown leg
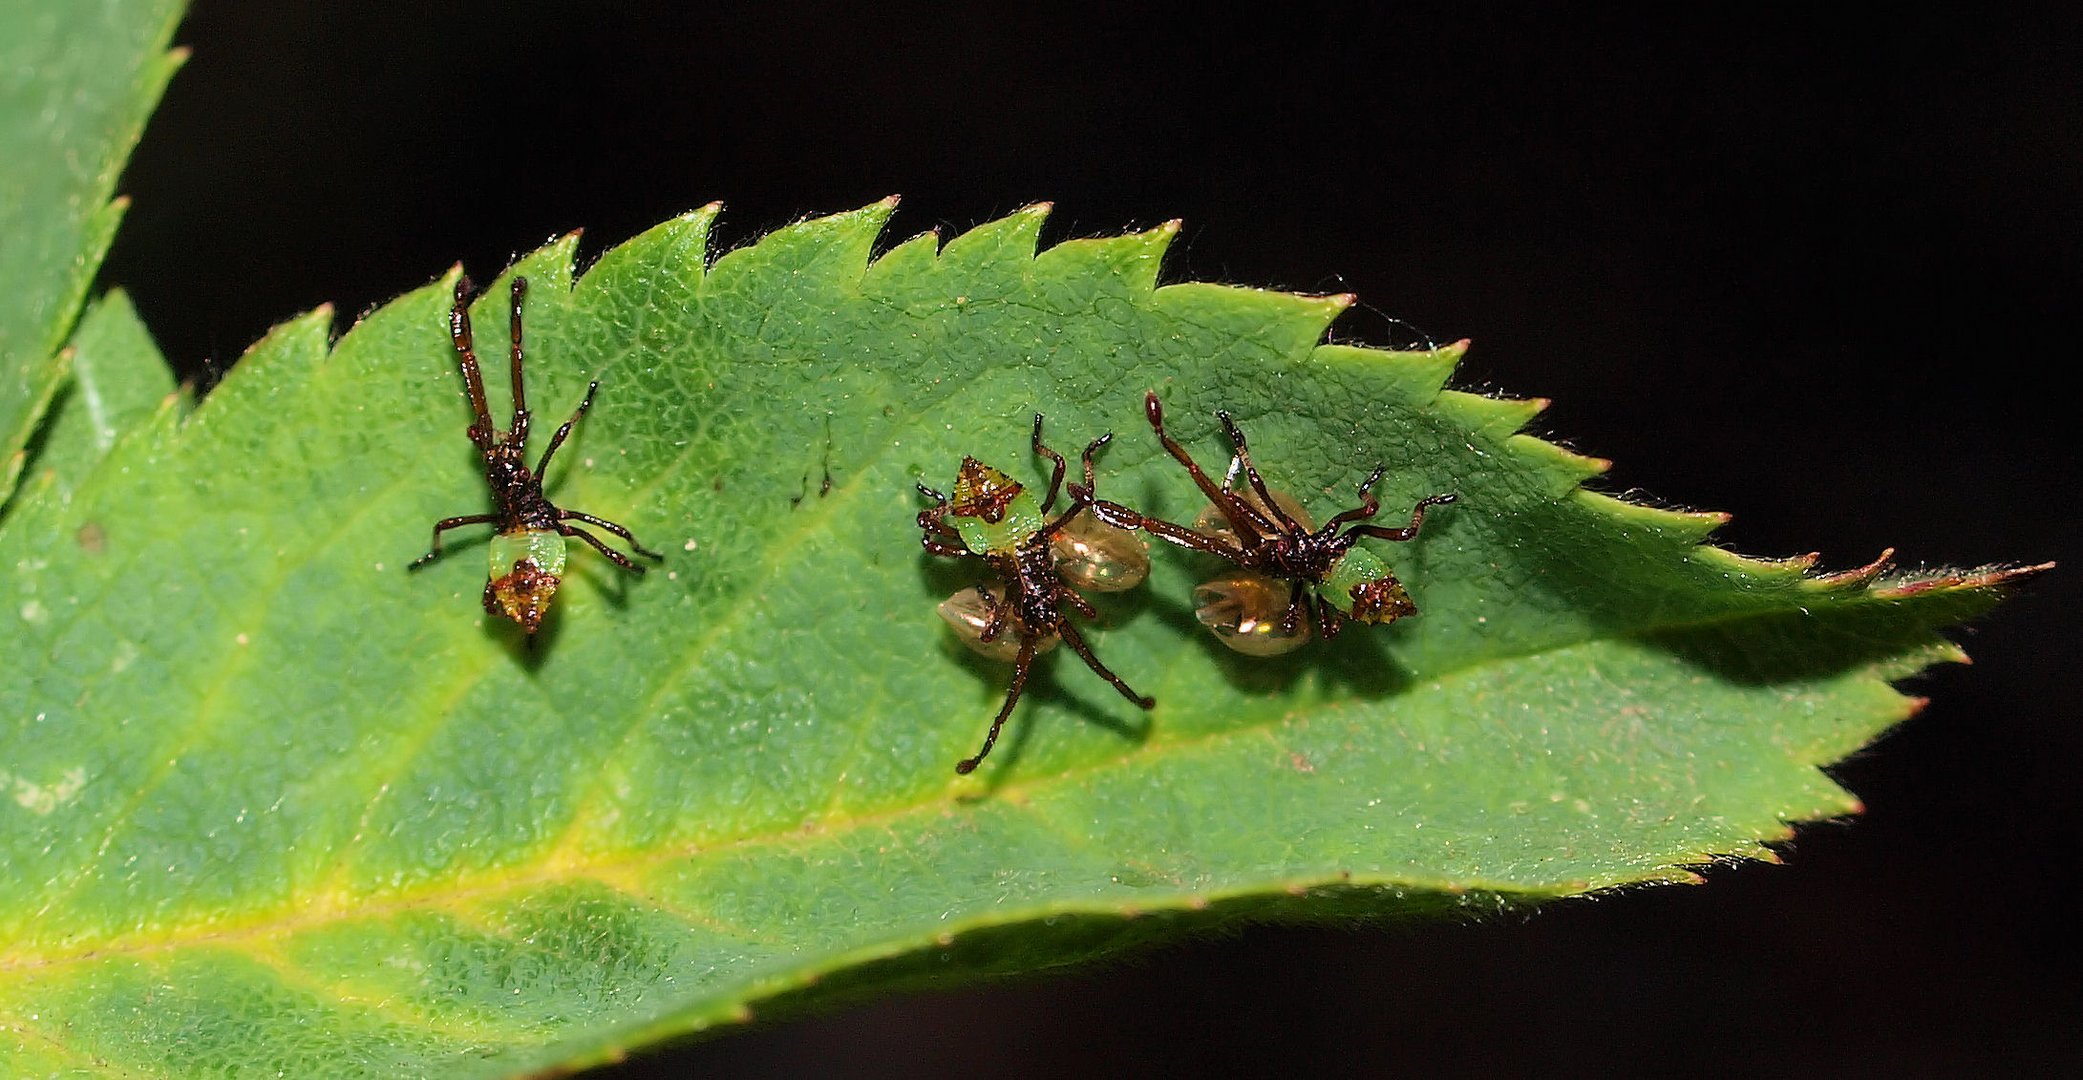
{"points": [[933, 528], [933, 524], [443, 526], [1369, 505], [614, 556], [1077, 506], [1248, 523], [1121, 517], [574, 515], [1287, 524], [1329, 618], [1085, 494], [1083, 605], [1417, 518], [995, 625], [466, 359], [1085, 460], [1084, 651], [1297, 608], [519, 431], [1021, 664], [1056, 473], [542, 467]]}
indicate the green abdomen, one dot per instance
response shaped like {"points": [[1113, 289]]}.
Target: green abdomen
{"points": [[546, 548]]}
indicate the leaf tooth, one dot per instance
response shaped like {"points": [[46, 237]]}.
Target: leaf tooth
{"points": [[1822, 799], [1133, 258], [1697, 525], [1855, 579], [1289, 325], [440, 290], [831, 250], [1788, 571], [912, 257], [547, 268], [1680, 526], [423, 310], [1415, 376], [680, 244], [1563, 469], [1496, 417], [273, 366], [995, 248]]}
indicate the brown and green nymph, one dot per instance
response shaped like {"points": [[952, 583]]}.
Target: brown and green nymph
{"points": [[1287, 568], [527, 553], [1036, 558]]}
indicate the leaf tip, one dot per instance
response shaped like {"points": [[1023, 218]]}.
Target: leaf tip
{"points": [[1988, 577], [889, 202], [1042, 208]]}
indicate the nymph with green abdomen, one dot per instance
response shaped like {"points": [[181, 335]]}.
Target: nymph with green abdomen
{"points": [[1037, 559], [1285, 566], [527, 554]]}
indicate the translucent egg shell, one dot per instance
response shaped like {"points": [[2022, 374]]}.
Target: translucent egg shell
{"points": [[1091, 554], [968, 613], [1244, 611]]}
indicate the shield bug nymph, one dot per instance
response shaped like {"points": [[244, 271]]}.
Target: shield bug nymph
{"points": [[527, 553], [1268, 537], [1036, 558]]}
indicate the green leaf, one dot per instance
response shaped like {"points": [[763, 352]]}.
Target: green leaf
{"points": [[279, 806], [77, 80]]}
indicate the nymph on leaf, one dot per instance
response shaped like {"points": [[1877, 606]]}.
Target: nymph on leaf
{"points": [[1036, 559], [527, 553], [1267, 536]]}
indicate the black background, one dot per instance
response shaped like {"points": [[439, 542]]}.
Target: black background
{"points": [[1805, 266]]}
